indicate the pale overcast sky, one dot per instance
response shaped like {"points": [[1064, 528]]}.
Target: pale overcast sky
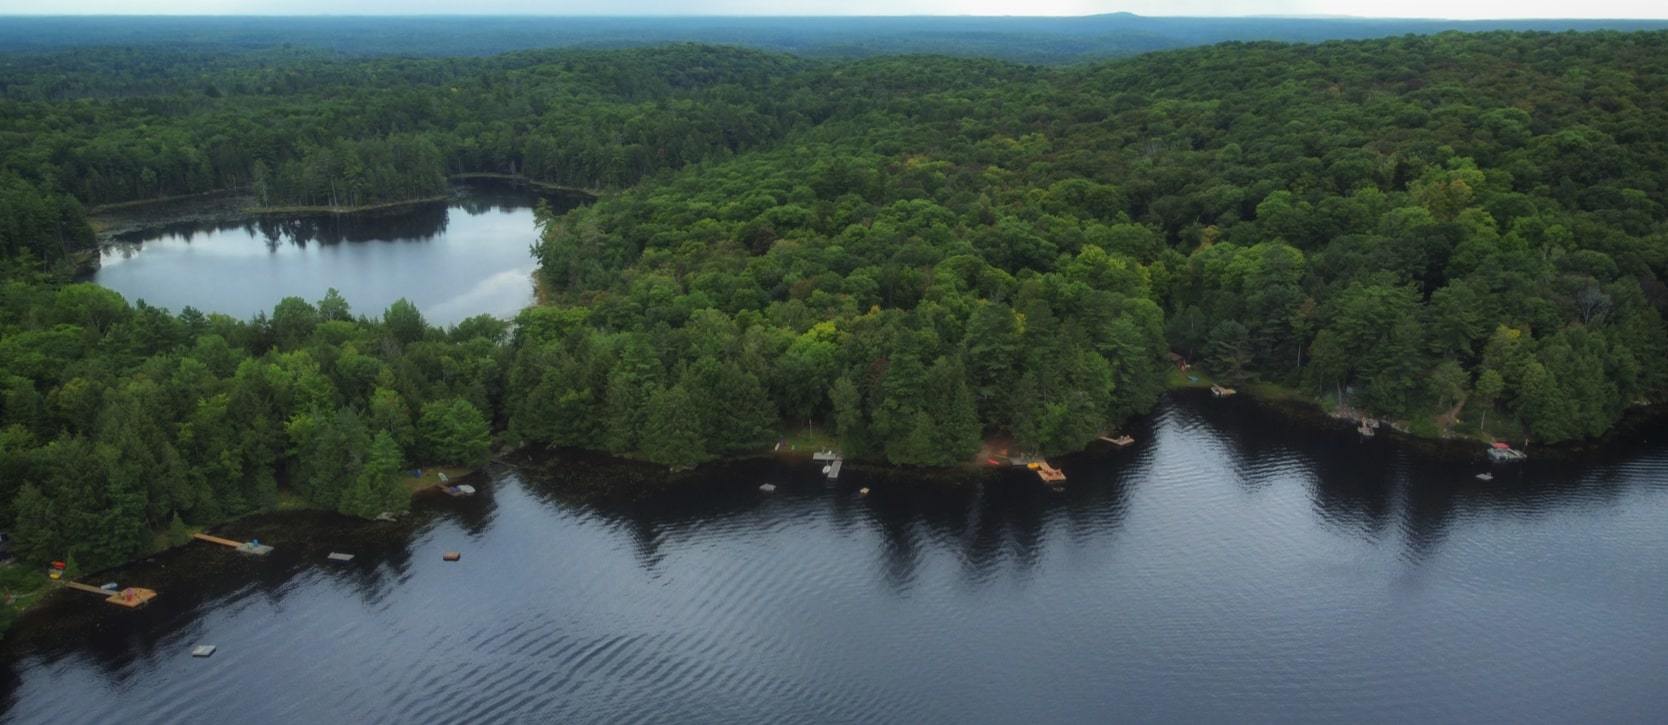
{"points": [[1458, 9]]}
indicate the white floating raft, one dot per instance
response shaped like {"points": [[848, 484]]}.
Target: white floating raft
{"points": [[339, 556], [768, 488], [202, 650]]}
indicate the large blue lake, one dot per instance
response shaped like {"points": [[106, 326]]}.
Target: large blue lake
{"points": [[1232, 566]]}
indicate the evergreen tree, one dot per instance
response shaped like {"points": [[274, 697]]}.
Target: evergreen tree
{"points": [[378, 488], [389, 413], [919, 444], [404, 322], [672, 433], [1484, 394], [454, 432], [329, 449], [954, 415], [849, 422]]}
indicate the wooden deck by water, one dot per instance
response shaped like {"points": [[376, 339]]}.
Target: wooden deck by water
{"points": [[1050, 474], [130, 597]]}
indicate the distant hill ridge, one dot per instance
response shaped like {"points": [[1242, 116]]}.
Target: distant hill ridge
{"points": [[1023, 39]]}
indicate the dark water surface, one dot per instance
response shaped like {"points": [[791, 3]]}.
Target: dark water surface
{"points": [[1232, 566], [456, 259]]}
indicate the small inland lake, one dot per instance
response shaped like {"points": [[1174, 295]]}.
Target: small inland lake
{"points": [[1233, 565], [453, 259]]}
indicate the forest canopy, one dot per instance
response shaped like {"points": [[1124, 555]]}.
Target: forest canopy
{"points": [[1465, 233]]}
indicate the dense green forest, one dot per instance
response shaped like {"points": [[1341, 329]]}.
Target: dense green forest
{"points": [[1024, 39], [307, 130], [1459, 225], [1462, 232], [118, 420]]}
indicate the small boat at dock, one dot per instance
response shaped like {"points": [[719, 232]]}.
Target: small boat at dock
{"points": [[1502, 452]]}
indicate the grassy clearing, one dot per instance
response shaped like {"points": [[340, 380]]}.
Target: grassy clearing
{"points": [[1275, 391], [808, 440], [431, 476], [1179, 379], [291, 501], [21, 587]]}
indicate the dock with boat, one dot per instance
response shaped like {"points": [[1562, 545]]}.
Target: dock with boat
{"points": [[832, 460], [1503, 452], [253, 547]]}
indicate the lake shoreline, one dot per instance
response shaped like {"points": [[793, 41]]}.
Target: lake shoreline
{"points": [[529, 181], [112, 222], [327, 210], [593, 478]]}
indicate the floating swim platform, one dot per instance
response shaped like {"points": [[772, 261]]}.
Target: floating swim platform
{"points": [[451, 556], [1049, 474], [203, 650], [339, 556]]}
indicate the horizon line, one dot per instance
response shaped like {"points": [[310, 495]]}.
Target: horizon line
{"points": [[812, 16]]}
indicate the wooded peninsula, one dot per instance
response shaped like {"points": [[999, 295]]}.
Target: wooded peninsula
{"points": [[1464, 233]]}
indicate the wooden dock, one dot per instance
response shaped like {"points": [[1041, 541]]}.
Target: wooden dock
{"points": [[1122, 441], [243, 547], [1221, 391], [1050, 474], [130, 597]]}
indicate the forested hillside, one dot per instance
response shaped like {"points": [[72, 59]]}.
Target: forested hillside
{"points": [[1462, 232], [117, 421], [1469, 225], [302, 129]]}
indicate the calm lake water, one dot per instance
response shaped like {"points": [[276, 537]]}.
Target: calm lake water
{"points": [[453, 260], [1232, 566]]}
